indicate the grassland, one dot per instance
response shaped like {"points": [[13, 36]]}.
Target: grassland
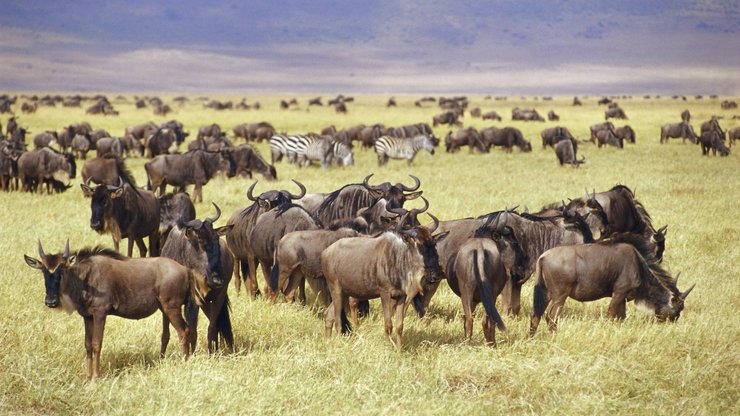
{"points": [[284, 365]]}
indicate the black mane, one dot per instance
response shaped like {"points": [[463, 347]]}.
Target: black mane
{"points": [[87, 252]]}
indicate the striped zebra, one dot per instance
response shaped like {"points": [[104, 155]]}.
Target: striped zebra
{"points": [[342, 153], [278, 147], [309, 148], [387, 147]]}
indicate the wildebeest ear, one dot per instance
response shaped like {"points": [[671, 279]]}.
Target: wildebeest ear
{"points": [[33, 262], [440, 237], [221, 231], [190, 234], [413, 195], [86, 190], [116, 193], [71, 259]]}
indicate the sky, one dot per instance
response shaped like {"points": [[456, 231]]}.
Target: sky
{"points": [[501, 47]]}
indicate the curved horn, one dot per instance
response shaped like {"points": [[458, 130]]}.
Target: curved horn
{"points": [[406, 188], [368, 186], [399, 211], [663, 230], [303, 190], [194, 224], [686, 293], [41, 251], [526, 210], [249, 192], [218, 214], [120, 184], [399, 226], [66, 250], [501, 221], [426, 207], [87, 182], [435, 223]]}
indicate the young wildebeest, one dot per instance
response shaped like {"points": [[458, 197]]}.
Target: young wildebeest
{"points": [[394, 266], [196, 245], [125, 211], [99, 282], [613, 268]]}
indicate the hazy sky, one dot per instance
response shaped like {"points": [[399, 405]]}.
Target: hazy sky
{"points": [[325, 46]]}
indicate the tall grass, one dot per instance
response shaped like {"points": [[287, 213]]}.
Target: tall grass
{"points": [[283, 364]]}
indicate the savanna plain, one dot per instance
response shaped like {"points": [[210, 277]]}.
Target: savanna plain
{"points": [[283, 364]]}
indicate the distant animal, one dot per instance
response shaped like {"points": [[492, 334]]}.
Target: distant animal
{"points": [[577, 101], [552, 116], [685, 116], [45, 139], [615, 112], [99, 282], [711, 140], [595, 128], [526, 115], [551, 136], [391, 102], [681, 130], [464, 137], [448, 117], [734, 134], [387, 147], [626, 133], [109, 146], [193, 168], [566, 151], [610, 138], [506, 137], [613, 269], [81, 145], [162, 141], [491, 115], [247, 160], [40, 165]]}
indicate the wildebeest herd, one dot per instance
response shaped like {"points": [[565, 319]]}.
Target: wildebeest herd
{"points": [[350, 245]]}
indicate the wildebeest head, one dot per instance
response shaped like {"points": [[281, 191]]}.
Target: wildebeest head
{"points": [[421, 237], [677, 300], [396, 194], [273, 199], [102, 197], [52, 265], [205, 238], [508, 245], [659, 240]]}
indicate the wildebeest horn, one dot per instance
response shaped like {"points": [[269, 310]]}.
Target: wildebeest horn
{"points": [[399, 226], [66, 250], [218, 214], [120, 184], [501, 221], [587, 195], [368, 186], [41, 250], [406, 188], [398, 211], [426, 207], [526, 210], [303, 190], [663, 230], [435, 223], [87, 182], [686, 293], [249, 192], [194, 224]]}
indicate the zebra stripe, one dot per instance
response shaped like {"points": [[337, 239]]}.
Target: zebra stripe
{"points": [[308, 148], [343, 154], [387, 147], [278, 147]]}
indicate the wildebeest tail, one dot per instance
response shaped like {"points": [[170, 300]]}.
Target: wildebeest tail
{"points": [[274, 275], [540, 293], [346, 326], [482, 269], [418, 302], [223, 323], [191, 310]]}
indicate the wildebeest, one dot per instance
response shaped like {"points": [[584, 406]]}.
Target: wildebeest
{"points": [[491, 115], [395, 266], [551, 136], [552, 116], [81, 145], [99, 282], [681, 130], [387, 147], [211, 130], [162, 141], [566, 151], [254, 131], [685, 116], [40, 165], [197, 245], [577, 101], [475, 112], [711, 140], [132, 145], [106, 171], [464, 137], [733, 134], [45, 139], [196, 167], [124, 211], [506, 137], [609, 137], [615, 112], [595, 128], [391, 102], [448, 117], [713, 125], [367, 135], [613, 268], [626, 133], [526, 115], [247, 160], [109, 146], [244, 220]]}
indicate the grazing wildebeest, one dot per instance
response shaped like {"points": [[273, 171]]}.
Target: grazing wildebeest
{"points": [[734, 134], [448, 117], [340, 108], [248, 160], [99, 282], [551, 136], [626, 133], [566, 152], [595, 128], [491, 115], [614, 268], [162, 141], [367, 135], [249, 131], [713, 125], [109, 146], [394, 266], [506, 137], [40, 165], [552, 116], [475, 112], [244, 220], [464, 137], [193, 168], [124, 211], [685, 116], [81, 145], [45, 139], [106, 171], [197, 245], [132, 145], [387, 147], [577, 101], [615, 112], [681, 130], [211, 130], [142, 131], [526, 115], [712, 140], [609, 137]]}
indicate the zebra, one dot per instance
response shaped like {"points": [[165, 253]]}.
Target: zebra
{"points": [[342, 153], [401, 148], [310, 147], [278, 147]]}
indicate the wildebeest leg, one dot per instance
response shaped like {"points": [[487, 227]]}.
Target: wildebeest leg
{"points": [[130, 251], [174, 314], [401, 306], [266, 276], [165, 335], [321, 288], [116, 244], [512, 297], [88, 344], [388, 304], [237, 274], [141, 246], [468, 310], [489, 330], [251, 278], [98, 325], [556, 306], [617, 307], [329, 319], [198, 193]]}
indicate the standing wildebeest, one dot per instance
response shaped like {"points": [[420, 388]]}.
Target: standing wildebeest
{"points": [[99, 282], [211, 130], [394, 266], [506, 137], [464, 137], [686, 116], [626, 133], [595, 128], [526, 115], [682, 130], [615, 269], [109, 146], [615, 112], [713, 125], [576, 101], [448, 117], [162, 141], [387, 147], [132, 145], [193, 168], [609, 137], [142, 131], [551, 136], [244, 220], [734, 134], [566, 151], [81, 145], [40, 165], [712, 140], [367, 135], [552, 116], [197, 245], [491, 115], [391, 102], [106, 171], [45, 139], [125, 211], [248, 160]]}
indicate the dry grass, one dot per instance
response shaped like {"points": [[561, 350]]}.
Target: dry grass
{"points": [[283, 364]]}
